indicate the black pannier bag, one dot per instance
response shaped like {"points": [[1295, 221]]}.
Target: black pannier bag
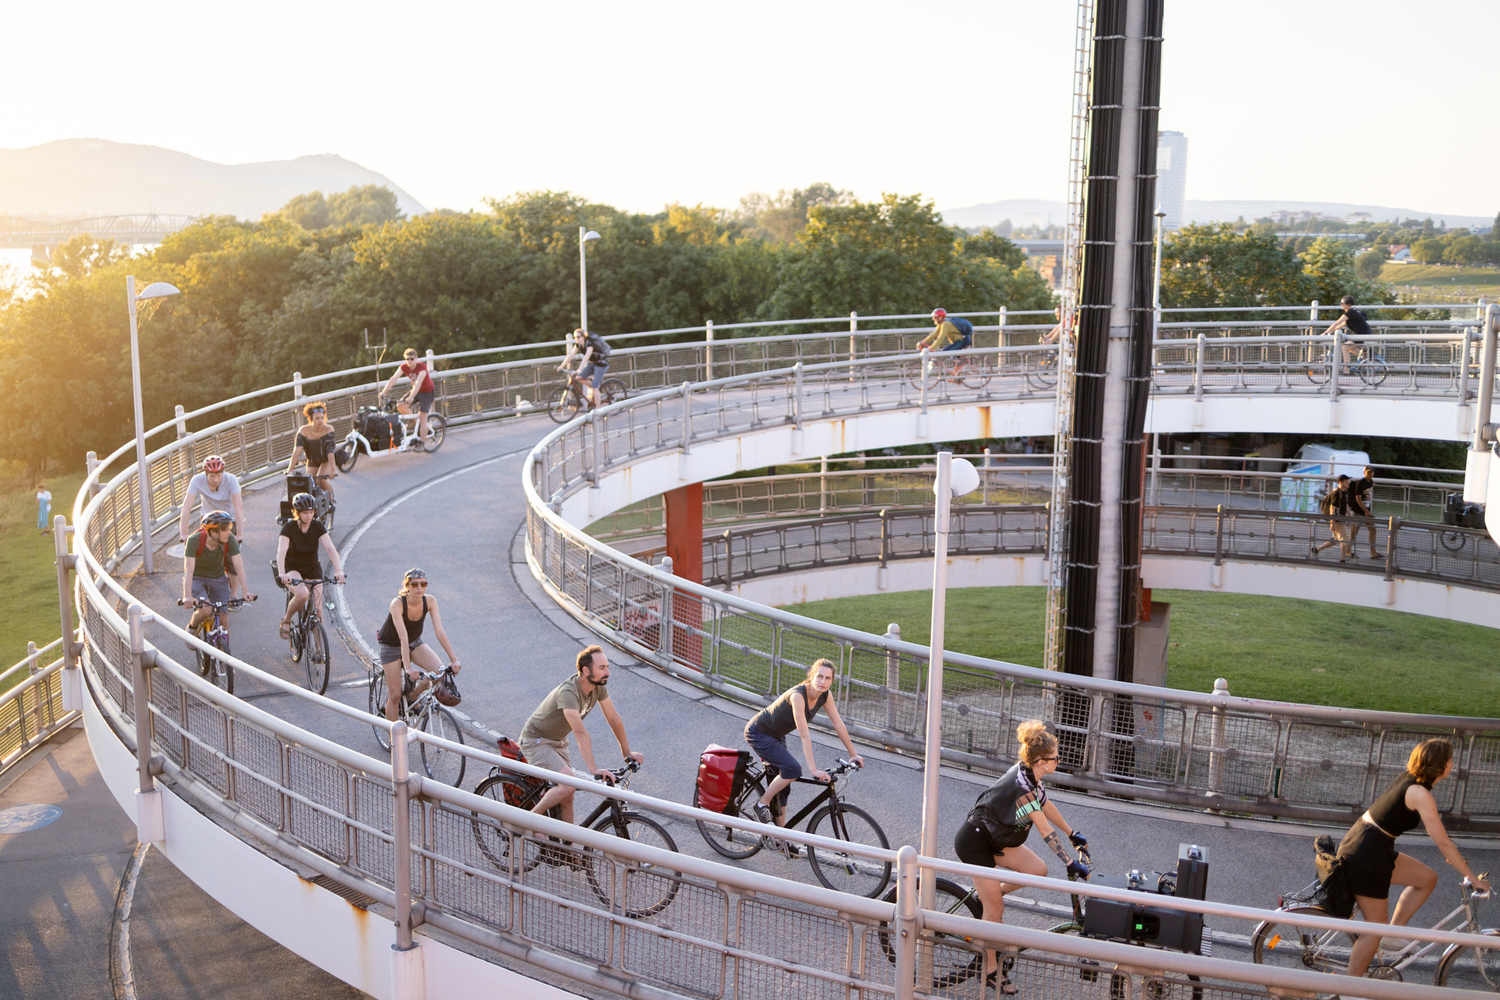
{"points": [[382, 430], [1333, 892]]}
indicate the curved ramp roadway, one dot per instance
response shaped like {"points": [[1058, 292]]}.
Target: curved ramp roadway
{"points": [[460, 513]]}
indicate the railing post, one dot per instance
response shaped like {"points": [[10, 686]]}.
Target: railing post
{"points": [[296, 385], [1393, 527], [1464, 350], [664, 640], [150, 824], [728, 559], [708, 350], [907, 925], [853, 352], [1219, 538], [72, 681], [90, 463], [181, 416], [1001, 332], [594, 434], [1198, 374], [892, 677], [984, 478], [1155, 469], [1220, 734], [406, 956], [687, 417], [1335, 367], [924, 381], [797, 396], [823, 485]]}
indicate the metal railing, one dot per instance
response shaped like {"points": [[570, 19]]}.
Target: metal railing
{"points": [[315, 803], [31, 702]]}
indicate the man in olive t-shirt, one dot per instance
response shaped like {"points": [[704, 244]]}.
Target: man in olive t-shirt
{"points": [[544, 738]]}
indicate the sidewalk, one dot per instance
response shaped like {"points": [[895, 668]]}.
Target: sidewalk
{"points": [[61, 882]]}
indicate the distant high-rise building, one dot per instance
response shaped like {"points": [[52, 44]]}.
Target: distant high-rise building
{"points": [[1171, 176]]}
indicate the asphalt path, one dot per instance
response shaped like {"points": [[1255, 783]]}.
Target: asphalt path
{"points": [[460, 513]]}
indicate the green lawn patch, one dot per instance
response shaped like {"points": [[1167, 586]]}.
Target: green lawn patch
{"points": [[1281, 649], [1440, 278], [28, 563]]}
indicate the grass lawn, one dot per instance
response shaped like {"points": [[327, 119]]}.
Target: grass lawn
{"points": [[28, 562], [1266, 647], [1484, 279]]}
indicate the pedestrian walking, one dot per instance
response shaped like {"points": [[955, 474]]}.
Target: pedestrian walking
{"points": [[1362, 504], [43, 508], [1335, 503]]}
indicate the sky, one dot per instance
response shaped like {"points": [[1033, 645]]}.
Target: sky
{"points": [[643, 104]]}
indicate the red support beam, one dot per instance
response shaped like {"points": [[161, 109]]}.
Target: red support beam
{"points": [[685, 531]]}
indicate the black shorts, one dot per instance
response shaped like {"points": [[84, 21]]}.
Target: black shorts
{"points": [[1369, 858], [972, 845]]}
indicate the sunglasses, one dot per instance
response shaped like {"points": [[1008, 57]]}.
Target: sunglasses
{"points": [[416, 583], [317, 409]]}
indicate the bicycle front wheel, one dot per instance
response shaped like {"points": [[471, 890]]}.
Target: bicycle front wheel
{"points": [[441, 763], [974, 373], [727, 840], [316, 657], [221, 671], [1373, 371], [846, 872], [648, 889], [377, 707], [1292, 947], [437, 429], [954, 959], [1470, 968], [564, 405]]}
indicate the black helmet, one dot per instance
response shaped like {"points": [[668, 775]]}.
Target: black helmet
{"points": [[304, 501], [217, 519]]}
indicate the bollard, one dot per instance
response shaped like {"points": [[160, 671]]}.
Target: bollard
{"points": [[1220, 734], [892, 678]]}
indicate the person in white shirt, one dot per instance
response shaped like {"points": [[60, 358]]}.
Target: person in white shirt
{"points": [[43, 508], [215, 490]]}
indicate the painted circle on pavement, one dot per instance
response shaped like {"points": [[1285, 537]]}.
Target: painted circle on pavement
{"points": [[32, 816]]}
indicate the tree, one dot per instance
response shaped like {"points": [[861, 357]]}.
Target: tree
{"points": [[364, 205], [1330, 271], [1368, 264], [310, 211], [1465, 250], [779, 219], [1495, 228], [1207, 266], [1428, 251]]}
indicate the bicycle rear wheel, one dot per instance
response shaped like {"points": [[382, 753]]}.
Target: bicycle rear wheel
{"points": [[1043, 376], [345, 455], [496, 844], [954, 959], [316, 651], [612, 390], [726, 840], [648, 889], [1470, 968], [1293, 947], [377, 707], [440, 763], [564, 405], [847, 872], [437, 430]]}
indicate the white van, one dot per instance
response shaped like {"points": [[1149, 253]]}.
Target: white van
{"points": [[1323, 461]]}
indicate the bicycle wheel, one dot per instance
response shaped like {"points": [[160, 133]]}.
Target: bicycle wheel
{"points": [[952, 961], [564, 405], [1470, 968], [1292, 947], [648, 889], [440, 763], [1043, 376], [612, 390], [377, 707], [220, 671], [1453, 541], [345, 455], [437, 429], [852, 873], [1319, 369], [327, 517], [726, 840], [317, 657], [497, 844], [974, 373], [1373, 370]]}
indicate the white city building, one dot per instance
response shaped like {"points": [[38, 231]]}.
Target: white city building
{"points": [[1171, 176]]}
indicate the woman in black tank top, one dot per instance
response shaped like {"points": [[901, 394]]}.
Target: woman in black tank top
{"points": [[767, 733], [401, 647], [1371, 861]]}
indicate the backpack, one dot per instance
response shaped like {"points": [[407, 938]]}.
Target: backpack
{"points": [[599, 344], [964, 327], [1329, 502]]}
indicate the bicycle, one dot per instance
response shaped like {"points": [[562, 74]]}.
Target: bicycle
{"points": [[838, 870], [423, 712], [648, 890], [307, 636], [970, 371], [214, 630], [955, 962], [1369, 366], [1041, 370], [1281, 943], [569, 401], [357, 442]]}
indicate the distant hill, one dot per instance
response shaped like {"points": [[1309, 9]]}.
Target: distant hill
{"points": [[75, 178], [1033, 211]]}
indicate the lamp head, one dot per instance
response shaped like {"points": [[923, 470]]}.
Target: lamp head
{"points": [[590, 235], [964, 478], [157, 290]]}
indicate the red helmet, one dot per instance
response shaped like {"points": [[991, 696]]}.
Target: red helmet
{"points": [[939, 314], [213, 463]]}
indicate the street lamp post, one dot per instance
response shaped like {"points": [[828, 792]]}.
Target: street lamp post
{"points": [[955, 478], [155, 290], [585, 234], [1156, 282]]}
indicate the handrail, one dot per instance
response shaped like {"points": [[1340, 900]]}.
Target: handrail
{"points": [[37, 702]]}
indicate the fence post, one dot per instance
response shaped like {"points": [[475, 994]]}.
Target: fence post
{"points": [[1155, 469], [1464, 350], [90, 463], [708, 350], [687, 417], [823, 485], [596, 434], [984, 478], [1393, 528], [922, 431], [72, 681], [1004, 315], [728, 559], [907, 926], [1219, 538], [892, 678], [406, 956], [1198, 375], [180, 415], [150, 824], [797, 396], [664, 640], [1335, 368], [853, 330], [296, 385], [1220, 733]]}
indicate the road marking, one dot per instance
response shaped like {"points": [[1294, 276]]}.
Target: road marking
{"points": [[32, 816]]}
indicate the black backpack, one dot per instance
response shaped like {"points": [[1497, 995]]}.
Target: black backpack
{"points": [[600, 346]]}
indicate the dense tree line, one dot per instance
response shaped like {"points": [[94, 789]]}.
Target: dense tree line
{"points": [[295, 290]]}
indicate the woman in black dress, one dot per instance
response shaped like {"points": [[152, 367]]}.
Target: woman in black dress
{"points": [[1371, 861], [315, 444]]}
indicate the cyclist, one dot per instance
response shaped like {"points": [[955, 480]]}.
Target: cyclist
{"points": [[948, 334], [422, 389], [402, 649], [315, 444], [297, 557], [593, 363], [1355, 322], [793, 710], [215, 489], [544, 738], [204, 560], [995, 831], [1370, 859], [1053, 335]]}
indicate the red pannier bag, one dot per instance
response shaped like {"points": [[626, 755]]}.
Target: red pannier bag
{"points": [[515, 794], [717, 769]]}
